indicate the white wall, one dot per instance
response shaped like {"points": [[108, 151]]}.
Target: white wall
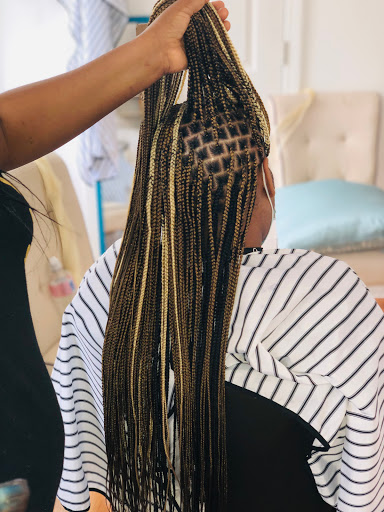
{"points": [[343, 43], [35, 44], [257, 34], [140, 7]]}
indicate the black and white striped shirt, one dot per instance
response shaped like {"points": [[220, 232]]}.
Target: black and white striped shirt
{"points": [[305, 333]]}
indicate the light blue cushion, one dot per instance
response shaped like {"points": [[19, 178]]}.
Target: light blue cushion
{"points": [[330, 216]]}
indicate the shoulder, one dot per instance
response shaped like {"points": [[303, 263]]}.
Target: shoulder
{"points": [[333, 294], [304, 278], [101, 271], [86, 316], [330, 278], [91, 302], [305, 265], [334, 273]]}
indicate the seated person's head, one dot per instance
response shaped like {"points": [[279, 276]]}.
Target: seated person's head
{"points": [[221, 162]]}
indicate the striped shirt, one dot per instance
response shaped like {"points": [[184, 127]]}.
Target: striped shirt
{"points": [[305, 333]]}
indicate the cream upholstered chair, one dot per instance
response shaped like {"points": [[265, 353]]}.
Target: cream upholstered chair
{"points": [[47, 314], [318, 136]]}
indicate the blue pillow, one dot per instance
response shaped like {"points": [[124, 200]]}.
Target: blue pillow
{"points": [[330, 216]]}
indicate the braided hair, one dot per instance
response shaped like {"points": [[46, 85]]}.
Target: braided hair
{"points": [[175, 279]]}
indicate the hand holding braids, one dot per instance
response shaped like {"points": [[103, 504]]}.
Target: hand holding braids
{"points": [[175, 279]]}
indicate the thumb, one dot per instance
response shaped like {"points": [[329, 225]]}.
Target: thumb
{"points": [[190, 7]]}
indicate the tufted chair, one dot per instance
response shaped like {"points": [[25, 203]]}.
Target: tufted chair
{"points": [[329, 135]]}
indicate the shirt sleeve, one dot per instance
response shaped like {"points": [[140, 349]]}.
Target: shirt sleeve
{"points": [[77, 380], [350, 475]]}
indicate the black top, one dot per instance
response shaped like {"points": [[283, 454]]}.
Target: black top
{"points": [[268, 447], [31, 429]]}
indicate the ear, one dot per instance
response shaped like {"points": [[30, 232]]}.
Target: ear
{"points": [[269, 178]]}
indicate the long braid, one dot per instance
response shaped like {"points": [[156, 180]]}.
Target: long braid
{"points": [[175, 279]]}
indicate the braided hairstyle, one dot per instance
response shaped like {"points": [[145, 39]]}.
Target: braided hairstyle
{"points": [[175, 279]]}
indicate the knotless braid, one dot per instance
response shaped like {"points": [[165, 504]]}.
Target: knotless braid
{"points": [[175, 279]]}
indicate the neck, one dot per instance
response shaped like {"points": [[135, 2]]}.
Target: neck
{"points": [[253, 238]]}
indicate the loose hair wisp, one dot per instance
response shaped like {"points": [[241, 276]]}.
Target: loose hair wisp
{"points": [[175, 280]]}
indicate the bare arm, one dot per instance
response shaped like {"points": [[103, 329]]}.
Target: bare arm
{"points": [[38, 118]]}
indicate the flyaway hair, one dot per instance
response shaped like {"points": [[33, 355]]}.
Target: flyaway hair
{"points": [[175, 279]]}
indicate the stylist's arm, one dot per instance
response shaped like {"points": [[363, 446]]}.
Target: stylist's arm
{"points": [[38, 118]]}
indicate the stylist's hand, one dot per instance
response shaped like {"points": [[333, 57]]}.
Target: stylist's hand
{"points": [[169, 28]]}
